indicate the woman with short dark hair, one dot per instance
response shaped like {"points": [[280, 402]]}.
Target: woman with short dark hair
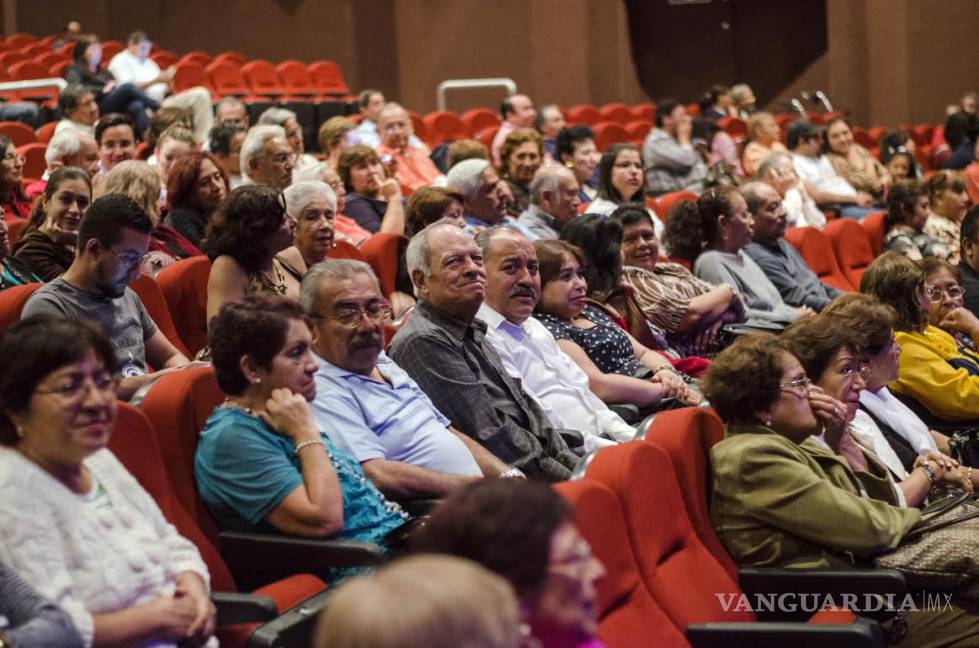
{"points": [[13, 200], [620, 181], [907, 213], [373, 193], [243, 241]]}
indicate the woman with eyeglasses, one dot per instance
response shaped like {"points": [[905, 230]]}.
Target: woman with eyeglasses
{"points": [[620, 180], [946, 309], [74, 523], [782, 498], [13, 200], [243, 240], [936, 370], [262, 463]]}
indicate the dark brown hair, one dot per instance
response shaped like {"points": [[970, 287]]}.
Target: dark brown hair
{"points": [[243, 223], [814, 341], [691, 227], [870, 323], [902, 198], [550, 258], [255, 326], [427, 205], [352, 157], [894, 280], [745, 377]]}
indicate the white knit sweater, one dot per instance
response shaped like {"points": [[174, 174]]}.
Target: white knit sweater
{"points": [[89, 560]]}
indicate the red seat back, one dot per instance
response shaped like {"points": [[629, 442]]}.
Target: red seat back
{"points": [[734, 126], [135, 444], [20, 134], [609, 133], [643, 111], [616, 112], [164, 58], [230, 56], [110, 48], [46, 132], [200, 57], [443, 126], [628, 615], [295, 77], [12, 302], [687, 436], [662, 539], [19, 39], [478, 119], [327, 78], [156, 305], [34, 162], [188, 74], [344, 250], [583, 114], [262, 78], [184, 286], [874, 225], [638, 129], [666, 202], [817, 251], [226, 78], [852, 247], [383, 252], [25, 70], [14, 227]]}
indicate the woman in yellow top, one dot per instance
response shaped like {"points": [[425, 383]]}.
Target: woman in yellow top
{"points": [[936, 370]]}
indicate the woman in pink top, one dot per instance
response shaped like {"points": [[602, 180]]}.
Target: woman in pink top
{"points": [[763, 139]]}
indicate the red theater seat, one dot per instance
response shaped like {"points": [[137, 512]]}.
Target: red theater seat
{"points": [[608, 133], [184, 286], [874, 225], [262, 79], [327, 78], [12, 302], [584, 114], [383, 251], [443, 126], [479, 119], [156, 305], [852, 247], [817, 251]]}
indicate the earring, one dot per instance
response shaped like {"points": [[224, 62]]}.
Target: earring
{"points": [[20, 431], [257, 381], [768, 423]]}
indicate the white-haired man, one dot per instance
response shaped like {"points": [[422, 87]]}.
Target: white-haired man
{"points": [[412, 166], [70, 147], [486, 197], [554, 202], [266, 157]]}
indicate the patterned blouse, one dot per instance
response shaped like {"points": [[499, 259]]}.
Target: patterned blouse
{"points": [[945, 232], [914, 245], [606, 343], [864, 176]]}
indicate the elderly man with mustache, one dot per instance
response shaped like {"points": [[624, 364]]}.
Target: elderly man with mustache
{"points": [[526, 348], [369, 406]]}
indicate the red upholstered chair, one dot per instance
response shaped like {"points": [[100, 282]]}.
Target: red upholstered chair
{"points": [[19, 39], [110, 48], [734, 126], [230, 56], [20, 134], [417, 123], [135, 444], [616, 112], [644, 111], [487, 135], [344, 250], [156, 305], [26, 70], [12, 302], [383, 251], [262, 79], [609, 133], [852, 247], [669, 552], [666, 202], [188, 74], [226, 78], [14, 227], [627, 615], [46, 132], [327, 78], [817, 251], [874, 225], [583, 114], [58, 69], [200, 57], [47, 58], [443, 126], [479, 119], [34, 162], [184, 286], [863, 138], [638, 129], [295, 78]]}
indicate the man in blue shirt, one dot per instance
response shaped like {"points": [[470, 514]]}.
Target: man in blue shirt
{"points": [[368, 405]]}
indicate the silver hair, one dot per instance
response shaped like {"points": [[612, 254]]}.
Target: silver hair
{"points": [[485, 237], [771, 161], [276, 117], [388, 107], [465, 177], [67, 142], [547, 178], [333, 271], [299, 194], [416, 256], [228, 101], [254, 144], [313, 171]]}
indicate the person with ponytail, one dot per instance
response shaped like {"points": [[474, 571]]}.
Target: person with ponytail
{"points": [[711, 234]]}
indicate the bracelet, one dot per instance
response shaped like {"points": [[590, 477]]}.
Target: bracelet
{"points": [[306, 443], [512, 473], [929, 473]]}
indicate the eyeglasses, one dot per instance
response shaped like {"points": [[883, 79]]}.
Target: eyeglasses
{"points": [[284, 158], [349, 317], [937, 293], [76, 388], [799, 386], [850, 372]]}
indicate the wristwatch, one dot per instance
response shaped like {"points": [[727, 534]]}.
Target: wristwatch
{"points": [[929, 473]]}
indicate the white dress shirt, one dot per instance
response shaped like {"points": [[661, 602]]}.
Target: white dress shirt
{"points": [[127, 68], [530, 354]]}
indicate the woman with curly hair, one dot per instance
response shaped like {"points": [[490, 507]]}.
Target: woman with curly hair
{"points": [[520, 157], [243, 241]]}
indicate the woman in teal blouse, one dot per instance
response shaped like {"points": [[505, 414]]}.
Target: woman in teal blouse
{"points": [[262, 464]]}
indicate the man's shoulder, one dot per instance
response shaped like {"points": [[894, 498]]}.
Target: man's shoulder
{"points": [[57, 295]]}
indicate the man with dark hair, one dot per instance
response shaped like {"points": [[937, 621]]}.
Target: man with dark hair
{"points": [[781, 263], [78, 108], [225, 143], [672, 163], [517, 111], [231, 110], [113, 237], [968, 269], [549, 122], [116, 139]]}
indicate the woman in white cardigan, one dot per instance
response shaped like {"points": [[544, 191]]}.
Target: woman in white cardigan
{"points": [[73, 522]]}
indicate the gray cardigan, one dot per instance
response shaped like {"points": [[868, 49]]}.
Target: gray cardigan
{"points": [[761, 298], [33, 620]]}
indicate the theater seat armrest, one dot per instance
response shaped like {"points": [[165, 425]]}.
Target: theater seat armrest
{"points": [[821, 581], [860, 634], [248, 552], [234, 608]]}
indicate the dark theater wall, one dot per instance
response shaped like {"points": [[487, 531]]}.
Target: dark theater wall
{"points": [[886, 61]]}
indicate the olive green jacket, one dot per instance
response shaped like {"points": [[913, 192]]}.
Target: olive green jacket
{"points": [[776, 503]]}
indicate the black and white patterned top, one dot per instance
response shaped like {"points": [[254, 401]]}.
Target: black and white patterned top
{"points": [[606, 343]]}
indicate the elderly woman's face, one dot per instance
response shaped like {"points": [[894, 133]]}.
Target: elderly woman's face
{"points": [[844, 377], [790, 414], [210, 189], [366, 177], [944, 294], [524, 162], [315, 228], [840, 137], [566, 294], [585, 160], [293, 366], [639, 245], [71, 413], [565, 607]]}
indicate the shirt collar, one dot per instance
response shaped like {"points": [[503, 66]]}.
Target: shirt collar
{"points": [[494, 320], [543, 216], [456, 328]]}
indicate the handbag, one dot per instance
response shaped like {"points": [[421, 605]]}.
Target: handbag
{"points": [[941, 551]]}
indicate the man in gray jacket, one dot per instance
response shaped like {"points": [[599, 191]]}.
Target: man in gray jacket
{"points": [[672, 163]]}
